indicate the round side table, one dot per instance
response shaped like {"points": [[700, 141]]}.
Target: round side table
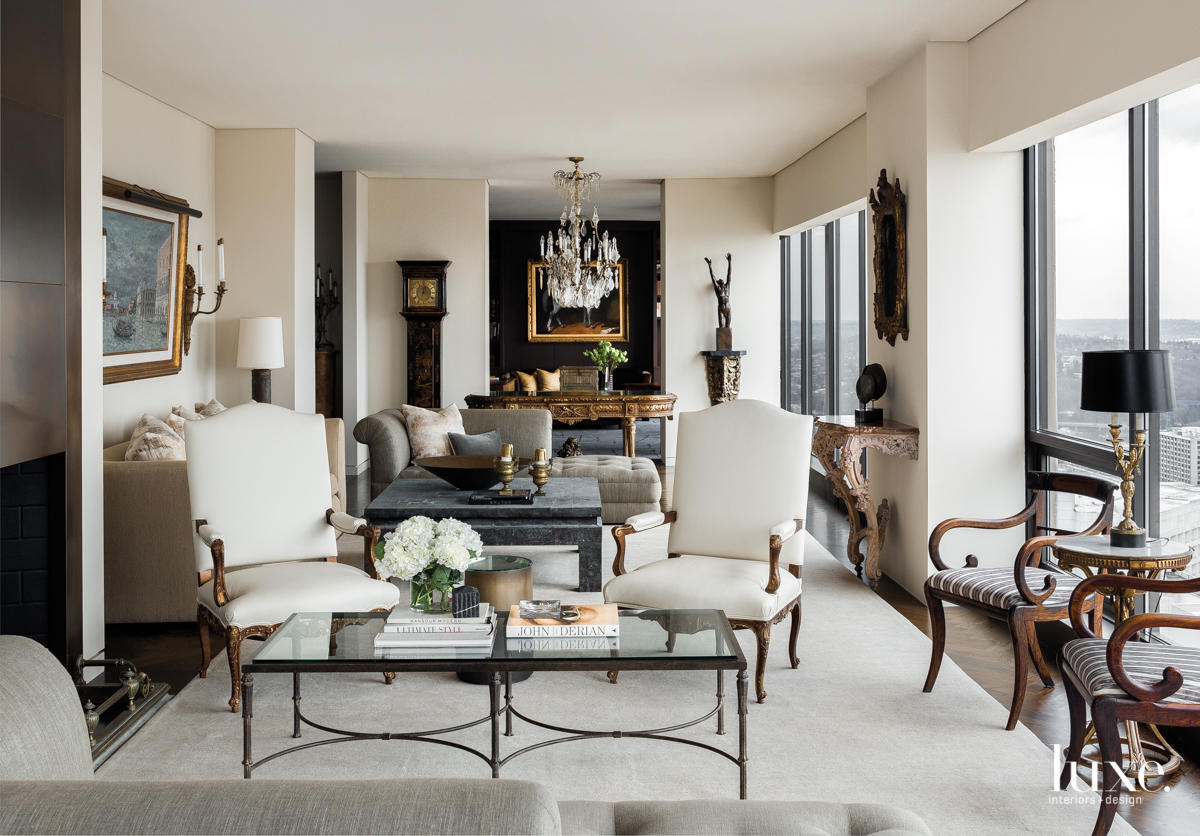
{"points": [[1095, 555], [502, 581]]}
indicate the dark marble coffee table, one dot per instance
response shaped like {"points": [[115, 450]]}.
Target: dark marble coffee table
{"points": [[569, 515]]}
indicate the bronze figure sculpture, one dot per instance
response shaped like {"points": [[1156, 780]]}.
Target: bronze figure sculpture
{"points": [[722, 291]]}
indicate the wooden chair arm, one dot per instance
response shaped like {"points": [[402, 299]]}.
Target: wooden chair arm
{"points": [[369, 533], [1090, 585], [1172, 679], [943, 528], [1025, 557], [217, 574], [620, 532], [775, 544]]}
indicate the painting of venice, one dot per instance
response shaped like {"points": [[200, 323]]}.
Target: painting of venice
{"points": [[137, 312]]}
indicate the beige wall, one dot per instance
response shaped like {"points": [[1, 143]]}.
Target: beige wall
{"points": [[427, 219], [709, 218], [820, 185], [158, 147], [265, 203], [1052, 65]]}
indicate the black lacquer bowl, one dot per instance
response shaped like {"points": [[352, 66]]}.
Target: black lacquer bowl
{"points": [[467, 473]]}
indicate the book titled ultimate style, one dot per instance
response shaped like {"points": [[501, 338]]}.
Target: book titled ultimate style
{"points": [[577, 620]]}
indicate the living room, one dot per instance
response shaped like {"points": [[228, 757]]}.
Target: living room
{"points": [[953, 213]]}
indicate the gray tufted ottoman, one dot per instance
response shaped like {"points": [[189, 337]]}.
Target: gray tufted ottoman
{"points": [[628, 486]]}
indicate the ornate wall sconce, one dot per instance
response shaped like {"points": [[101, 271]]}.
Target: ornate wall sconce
{"points": [[193, 290]]}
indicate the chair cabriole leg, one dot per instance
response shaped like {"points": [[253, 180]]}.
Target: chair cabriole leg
{"points": [[233, 649], [205, 645], [1035, 652], [937, 618], [794, 637], [762, 635], [1020, 639]]}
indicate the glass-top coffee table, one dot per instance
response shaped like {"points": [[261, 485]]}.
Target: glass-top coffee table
{"points": [[649, 640]]}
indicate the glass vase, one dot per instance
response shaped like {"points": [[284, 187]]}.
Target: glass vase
{"points": [[427, 598], [608, 381]]}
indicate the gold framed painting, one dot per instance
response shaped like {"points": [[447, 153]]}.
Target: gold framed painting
{"points": [[145, 262], [551, 323]]}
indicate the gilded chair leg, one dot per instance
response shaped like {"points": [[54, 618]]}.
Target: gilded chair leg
{"points": [[1078, 717], [1020, 641], [205, 646], [612, 677], [762, 635], [233, 648], [1035, 653], [389, 677], [937, 618], [792, 639]]}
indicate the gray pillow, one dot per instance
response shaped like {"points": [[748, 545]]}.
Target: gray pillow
{"points": [[484, 444]]}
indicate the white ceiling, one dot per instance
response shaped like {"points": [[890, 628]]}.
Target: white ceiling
{"points": [[644, 89]]}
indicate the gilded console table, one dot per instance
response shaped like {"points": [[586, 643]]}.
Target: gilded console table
{"points": [[839, 432], [574, 406]]}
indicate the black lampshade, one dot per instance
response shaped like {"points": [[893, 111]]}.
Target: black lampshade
{"points": [[1127, 381]]}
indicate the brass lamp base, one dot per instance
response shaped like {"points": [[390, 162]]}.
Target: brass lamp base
{"points": [[1133, 539]]}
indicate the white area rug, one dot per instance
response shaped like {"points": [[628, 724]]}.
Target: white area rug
{"points": [[851, 724]]}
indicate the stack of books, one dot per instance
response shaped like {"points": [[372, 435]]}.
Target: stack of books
{"points": [[408, 634], [545, 625]]}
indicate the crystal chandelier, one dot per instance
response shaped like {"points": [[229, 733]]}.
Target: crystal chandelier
{"points": [[581, 265]]}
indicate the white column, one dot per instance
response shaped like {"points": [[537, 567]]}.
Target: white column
{"points": [[354, 314], [265, 204]]}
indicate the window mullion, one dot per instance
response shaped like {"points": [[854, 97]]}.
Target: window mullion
{"points": [[832, 320]]}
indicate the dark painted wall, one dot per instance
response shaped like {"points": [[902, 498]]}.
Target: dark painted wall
{"points": [[513, 244]]}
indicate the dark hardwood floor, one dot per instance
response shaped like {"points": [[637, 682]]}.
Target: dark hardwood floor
{"points": [[979, 645]]}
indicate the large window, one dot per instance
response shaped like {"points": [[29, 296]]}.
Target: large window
{"points": [[1110, 219], [824, 338]]}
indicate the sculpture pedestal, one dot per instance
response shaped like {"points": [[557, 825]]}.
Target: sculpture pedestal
{"points": [[723, 370]]}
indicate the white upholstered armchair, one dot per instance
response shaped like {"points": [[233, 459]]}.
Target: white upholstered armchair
{"points": [[259, 484], [741, 490]]}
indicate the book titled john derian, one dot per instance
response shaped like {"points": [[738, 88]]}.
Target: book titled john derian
{"points": [[575, 620]]}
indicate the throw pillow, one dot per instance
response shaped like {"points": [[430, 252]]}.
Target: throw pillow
{"points": [[527, 382], [483, 444], [153, 440], [178, 424], [548, 381], [428, 429], [208, 410]]}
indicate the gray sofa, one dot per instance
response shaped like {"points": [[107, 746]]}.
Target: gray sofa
{"points": [[628, 486], [47, 786]]}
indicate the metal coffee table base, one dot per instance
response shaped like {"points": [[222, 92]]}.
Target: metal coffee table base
{"points": [[498, 706]]}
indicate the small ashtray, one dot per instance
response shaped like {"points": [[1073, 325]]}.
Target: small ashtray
{"points": [[539, 609]]}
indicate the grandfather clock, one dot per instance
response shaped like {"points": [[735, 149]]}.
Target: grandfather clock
{"points": [[424, 286]]}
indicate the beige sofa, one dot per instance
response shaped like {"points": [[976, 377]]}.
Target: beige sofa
{"points": [[628, 486], [149, 561], [47, 786]]}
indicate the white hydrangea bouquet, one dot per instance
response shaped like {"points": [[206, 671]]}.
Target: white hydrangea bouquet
{"points": [[431, 556]]}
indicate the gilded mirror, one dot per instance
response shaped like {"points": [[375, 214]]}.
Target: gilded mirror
{"points": [[891, 273]]}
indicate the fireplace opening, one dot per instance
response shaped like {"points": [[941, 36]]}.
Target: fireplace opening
{"points": [[33, 555]]}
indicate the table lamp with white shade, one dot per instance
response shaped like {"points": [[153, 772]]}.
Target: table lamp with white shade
{"points": [[260, 348]]}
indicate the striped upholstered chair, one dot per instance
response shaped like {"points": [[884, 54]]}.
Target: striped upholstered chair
{"points": [[1024, 594], [1127, 680]]}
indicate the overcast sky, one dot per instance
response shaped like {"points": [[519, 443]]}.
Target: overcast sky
{"points": [[1092, 215]]}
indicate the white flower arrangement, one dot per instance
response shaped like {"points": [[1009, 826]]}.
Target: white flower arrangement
{"points": [[430, 555]]}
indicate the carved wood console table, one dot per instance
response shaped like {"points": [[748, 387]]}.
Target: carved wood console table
{"points": [[571, 407], [839, 432]]}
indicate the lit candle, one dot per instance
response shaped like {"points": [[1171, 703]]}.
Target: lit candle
{"points": [[199, 266]]}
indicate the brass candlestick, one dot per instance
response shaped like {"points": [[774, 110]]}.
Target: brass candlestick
{"points": [[506, 468], [540, 470], [1127, 534]]}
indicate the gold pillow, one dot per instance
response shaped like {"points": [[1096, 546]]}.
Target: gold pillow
{"points": [[528, 382], [548, 381]]}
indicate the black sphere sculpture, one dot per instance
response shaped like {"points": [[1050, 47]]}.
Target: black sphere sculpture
{"points": [[871, 386]]}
